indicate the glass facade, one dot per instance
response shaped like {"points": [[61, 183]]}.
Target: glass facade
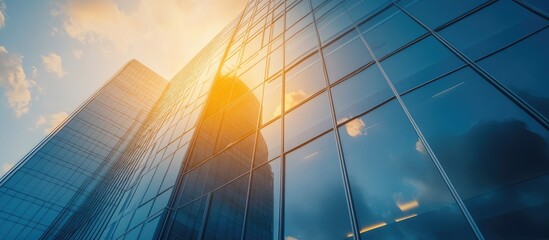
{"points": [[330, 119]]}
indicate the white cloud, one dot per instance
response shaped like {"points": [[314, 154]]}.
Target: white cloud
{"points": [[77, 53], [5, 168], [50, 122], [355, 127], [14, 81], [163, 34], [420, 147], [53, 64], [290, 100], [40, 121], [2, 17]]}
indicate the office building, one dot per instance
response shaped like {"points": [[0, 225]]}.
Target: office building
{"points": [[357, 119]]}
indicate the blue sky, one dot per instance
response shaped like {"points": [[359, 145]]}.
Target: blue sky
{"points": [[54, 54]]}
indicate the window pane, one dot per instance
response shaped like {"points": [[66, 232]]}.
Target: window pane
{"points": [[492, 28], [398, 193], [390, 30], [272, 102], [360, 93], [304, 80], [188, 220], [300, 44], [496, 156], [240, 119], [229, 164], [268, 143], [419, 63], [346, 55], [275, 61], [434, 13], [333, 23], [315, 206], [226, 212], [542, 6], [307, 121], [523, 68], [264, 204], [360, 9], [297, 12]]}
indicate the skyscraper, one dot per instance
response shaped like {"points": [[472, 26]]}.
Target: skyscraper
{"points": [[319, 119]]}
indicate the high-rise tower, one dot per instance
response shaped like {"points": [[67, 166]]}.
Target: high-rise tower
{"points": [[318, 119]]}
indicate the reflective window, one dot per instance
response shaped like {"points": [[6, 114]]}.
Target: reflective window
{"points": [[150, 228], [188, 220], [390, 30], [491, 28], [299, 25], [240, 118], [205, 139], [278, 27], [226, 211], [419, 63], [268, 144], [345, 55], [360, 93], [253, 76], [397, 191], [275, 61], [301, 43], [523, 68], [496, 156], [360, 9], [193, 183], [303, 80], [542, 6], [272, 101], [315, 205], [229, 164], [264, 204], [297, 12], [333, 23], [307, 121], [434, 13]]}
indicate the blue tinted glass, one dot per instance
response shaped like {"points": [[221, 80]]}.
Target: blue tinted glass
{"points": [[496, 156], [360, 9], [345, 55], [300, 44], [226, 211], [193, 183], [149, 229], [434, 13], [390, 30], [303, 80], [307, 121], [419, 63], [264, 204], [491, 28], [539, 5], [297, 12], [333, 23], [315, 206], [269, 143], [523, 68], [188, 220], [229, 164], [360, 93], [397, 191]]}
